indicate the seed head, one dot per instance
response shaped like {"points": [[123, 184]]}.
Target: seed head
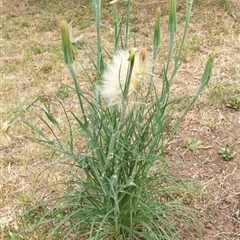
{"points": [[115, 76]]}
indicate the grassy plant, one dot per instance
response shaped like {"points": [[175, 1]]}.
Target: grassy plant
{"points": [[113, 191]]}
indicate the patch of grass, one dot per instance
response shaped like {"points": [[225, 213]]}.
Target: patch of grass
{"points": [[38, 50], [6, 36], [63, 92], [22, 196], [48, 25], [2, 199], [195, 43], [10, 236], [25, 23], [221, 92], [226, 4]]}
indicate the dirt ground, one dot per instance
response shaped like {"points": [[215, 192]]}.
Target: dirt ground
{"points": [[31, 65]]}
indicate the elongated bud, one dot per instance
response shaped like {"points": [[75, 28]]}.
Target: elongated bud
{"points": [[157, 29], [208, 70], [135, 83], [66, 33], [207, 74], [132, 52], [172, 24], [142, 58]]}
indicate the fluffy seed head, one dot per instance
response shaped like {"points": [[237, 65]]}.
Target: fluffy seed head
{"points": [[115, 76]]}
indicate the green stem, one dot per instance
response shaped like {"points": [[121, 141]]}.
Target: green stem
{"points": [[78, 91], [127, 30], [171, 46], [188, 15], [97, 17], [116, 32]]}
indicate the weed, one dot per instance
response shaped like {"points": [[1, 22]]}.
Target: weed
{"points": [[237, 214], [235, 103], [194, 144], [226, 153]]}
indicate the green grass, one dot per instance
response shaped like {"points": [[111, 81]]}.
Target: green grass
{"points": [[223, 92], [226, 4]]}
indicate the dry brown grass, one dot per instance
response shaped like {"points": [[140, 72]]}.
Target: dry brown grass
{"points": [[31, 65]]}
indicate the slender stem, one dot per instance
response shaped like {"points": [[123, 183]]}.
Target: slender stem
{"points": [[171, 46], [188, 15], [116, 32], [97, 17], [127, 30], [78, 91]]}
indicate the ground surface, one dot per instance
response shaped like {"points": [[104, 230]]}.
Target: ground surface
{"points": [[31, 65]]}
